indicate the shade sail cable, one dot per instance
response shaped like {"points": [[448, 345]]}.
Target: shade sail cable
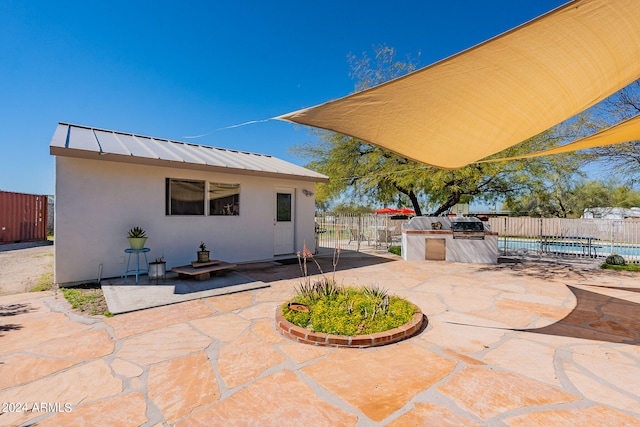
{"points": [[250, 122]]}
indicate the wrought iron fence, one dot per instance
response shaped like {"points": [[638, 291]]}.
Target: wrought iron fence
{"points": [[560, 237], [592, 238], [357, 232]]}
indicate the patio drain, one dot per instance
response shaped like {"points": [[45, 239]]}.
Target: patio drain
{"points": [[305, 336]]}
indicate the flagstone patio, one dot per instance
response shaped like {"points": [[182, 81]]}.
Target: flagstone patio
{"points": [[533, 344]]}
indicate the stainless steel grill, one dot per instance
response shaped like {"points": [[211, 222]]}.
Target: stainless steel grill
{"points": [[467, 228]]}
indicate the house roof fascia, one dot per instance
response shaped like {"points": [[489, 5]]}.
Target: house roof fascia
{"points": [[181, 155]]}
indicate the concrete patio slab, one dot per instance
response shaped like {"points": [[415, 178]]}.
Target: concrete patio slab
{"points": [[530, 344], [124, 297]]}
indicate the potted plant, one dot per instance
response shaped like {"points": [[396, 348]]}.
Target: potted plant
{"points": [[137, 238], [203, 253]]}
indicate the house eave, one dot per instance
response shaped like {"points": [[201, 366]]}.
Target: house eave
{"points": [[93, 155]]}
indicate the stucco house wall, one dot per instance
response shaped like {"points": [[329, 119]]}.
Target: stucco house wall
{"points": [[108, 182], [97, 202]]}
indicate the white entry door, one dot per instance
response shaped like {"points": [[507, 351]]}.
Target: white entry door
{"points": [[284, 221]]}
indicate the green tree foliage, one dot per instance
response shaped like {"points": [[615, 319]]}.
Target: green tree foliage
{"points": [[569, 199], [351, 208], [621, 158], [364, 172]]}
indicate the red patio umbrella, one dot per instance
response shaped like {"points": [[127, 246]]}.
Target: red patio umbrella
{"points": [[407, 211], [386, 211]]}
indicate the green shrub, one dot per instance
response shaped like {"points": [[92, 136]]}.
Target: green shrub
{"points": [[614, 259], [44, 283], [625, 267], [339, 310], [397, 250], [87, 300], [299, 318]]}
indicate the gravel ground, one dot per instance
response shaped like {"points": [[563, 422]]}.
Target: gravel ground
{"points": [[23, 264]]}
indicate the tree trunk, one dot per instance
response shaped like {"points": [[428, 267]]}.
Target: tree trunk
{"points": [[452, 200], [412, 196], [414, 202]]}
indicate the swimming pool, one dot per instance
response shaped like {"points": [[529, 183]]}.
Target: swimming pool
{"points": [[570, 247]]}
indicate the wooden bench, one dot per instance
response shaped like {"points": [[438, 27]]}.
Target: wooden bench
{"points": [[202, 271]]}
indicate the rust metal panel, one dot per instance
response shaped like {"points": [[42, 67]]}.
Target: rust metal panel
{"points": [[23, 217]]}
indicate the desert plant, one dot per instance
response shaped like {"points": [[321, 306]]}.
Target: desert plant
{"points": [[375, 291], [203, 253], [326, 287], [137, 233], [302, 262], [306, 292], [335, 259], [336, 309], [309, 293], [351, 311]]}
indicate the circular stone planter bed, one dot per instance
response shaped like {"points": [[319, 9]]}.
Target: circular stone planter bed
{"points": [[305, 336]]}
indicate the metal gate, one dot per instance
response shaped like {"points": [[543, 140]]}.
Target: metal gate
{"points": [[357, 232]]}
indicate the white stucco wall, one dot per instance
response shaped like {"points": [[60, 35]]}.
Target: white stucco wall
{"points": [[97, 202], [419, 229], [457, 250]]}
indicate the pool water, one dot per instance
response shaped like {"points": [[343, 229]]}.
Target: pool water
{"points": [[577, 248]]}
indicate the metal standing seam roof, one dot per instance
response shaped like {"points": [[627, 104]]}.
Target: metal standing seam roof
{"points": [[100, 144]]}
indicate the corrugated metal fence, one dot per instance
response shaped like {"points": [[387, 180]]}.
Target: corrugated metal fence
{"points": [[589, 238], [23, 217]]}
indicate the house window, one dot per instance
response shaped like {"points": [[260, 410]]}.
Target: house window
{"points": [[224, 199], [184, 197], [283, 207]]}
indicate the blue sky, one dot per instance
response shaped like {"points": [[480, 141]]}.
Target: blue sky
{"points": [[177, 69]]}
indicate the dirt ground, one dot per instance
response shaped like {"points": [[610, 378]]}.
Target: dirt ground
{"points": [[23, 264]]}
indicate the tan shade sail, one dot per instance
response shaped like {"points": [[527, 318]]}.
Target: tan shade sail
{"points": [[626, 131], [499, 93]]}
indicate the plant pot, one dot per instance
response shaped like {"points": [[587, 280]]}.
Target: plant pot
{"points": [[203, 256], [137, 242], [157, 269]]}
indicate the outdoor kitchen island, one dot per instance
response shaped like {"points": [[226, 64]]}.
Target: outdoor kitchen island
{"points": [[448, 239]]}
